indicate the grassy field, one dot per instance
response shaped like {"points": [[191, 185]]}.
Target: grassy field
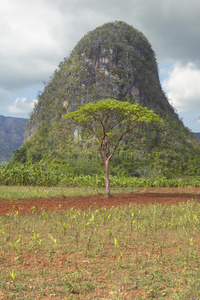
{"points": [[22, 192], [137, 252]]}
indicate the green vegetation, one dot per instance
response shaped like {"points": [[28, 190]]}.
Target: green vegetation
{"points": [[28, 192], [37, 177], [110, 121], [113, 61], [137, 252]]}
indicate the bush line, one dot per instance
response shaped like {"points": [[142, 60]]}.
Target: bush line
{"points": [[39, 176]]}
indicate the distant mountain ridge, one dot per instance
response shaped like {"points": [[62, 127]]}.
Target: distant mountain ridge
{"points": [[12, 132], [197, 134]]}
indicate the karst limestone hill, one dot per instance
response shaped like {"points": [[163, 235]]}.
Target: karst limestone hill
{"points": [[113, 61]]}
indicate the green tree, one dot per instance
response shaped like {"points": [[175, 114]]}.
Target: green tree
{"points": [[110, 121]]}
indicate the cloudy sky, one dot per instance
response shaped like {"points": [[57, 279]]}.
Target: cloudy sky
{"points": [[35, 36]]}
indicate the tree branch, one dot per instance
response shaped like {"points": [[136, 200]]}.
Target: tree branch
{"points": [[121, 138]]}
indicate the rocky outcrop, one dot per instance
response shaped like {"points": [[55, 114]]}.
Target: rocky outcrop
{"points": [[112, 61]]}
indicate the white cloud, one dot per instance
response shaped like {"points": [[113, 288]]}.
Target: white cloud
{"points": [[22, 106], [27, 27], [29, 38], [183, 87], [35, 36], [172, 27]]}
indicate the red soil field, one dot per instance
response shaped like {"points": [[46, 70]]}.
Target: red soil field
{"points": [[34, 263], [140, 197]]}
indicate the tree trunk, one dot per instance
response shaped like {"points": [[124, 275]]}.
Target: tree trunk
{"points": [[107, 178]]}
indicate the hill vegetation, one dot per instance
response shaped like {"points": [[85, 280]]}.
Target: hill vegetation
{"points": [[113, 61], [12, 132]]}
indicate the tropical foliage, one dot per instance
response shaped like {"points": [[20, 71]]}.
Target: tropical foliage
{"points": [[41, 176]]}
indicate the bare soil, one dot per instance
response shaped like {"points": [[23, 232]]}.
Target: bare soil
{"points": [[141, 196], [41, 273]]}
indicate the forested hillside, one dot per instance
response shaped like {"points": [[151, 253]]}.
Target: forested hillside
{"points": [[12, 132], [113, 61]]}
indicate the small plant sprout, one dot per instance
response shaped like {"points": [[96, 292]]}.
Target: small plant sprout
{"points": [[33, 209], [54, 240], [19, 239], [15, 246], [13, 275], [43, 213], [121, 255], [15, 243], [36, 239], [91, 220], [116, 244], [35, 236], [16, 213], [64, 228], [3, 230], [89, 242]]}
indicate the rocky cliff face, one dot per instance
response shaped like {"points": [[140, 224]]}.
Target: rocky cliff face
{"points": [[112, 61]]}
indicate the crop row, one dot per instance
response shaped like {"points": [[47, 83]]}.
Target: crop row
{"points": [[119, 253], [39, 176]]}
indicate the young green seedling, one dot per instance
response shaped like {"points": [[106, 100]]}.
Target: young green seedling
{"points": [[3, 230], [54, 240], [13, 276], [116, 244], [33, 209]]}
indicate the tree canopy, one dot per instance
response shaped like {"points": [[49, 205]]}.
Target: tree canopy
{"points": [[110, 121]]}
